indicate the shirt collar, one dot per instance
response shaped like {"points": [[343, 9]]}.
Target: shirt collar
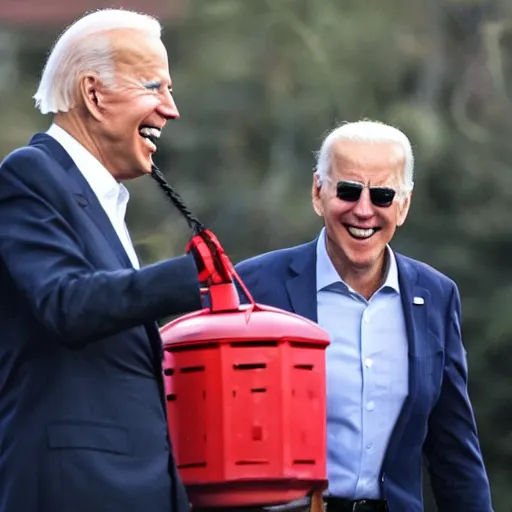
{"points": [[326, 274], [103, 184]]}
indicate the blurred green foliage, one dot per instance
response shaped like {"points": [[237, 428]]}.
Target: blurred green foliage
{"points": [[259, 84]]}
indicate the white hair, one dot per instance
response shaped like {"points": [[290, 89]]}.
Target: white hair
{"points": [[366, 131], [85, 47]]}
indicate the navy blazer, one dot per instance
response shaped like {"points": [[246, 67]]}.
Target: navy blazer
{"points": [[437, 418], [82, 407]]}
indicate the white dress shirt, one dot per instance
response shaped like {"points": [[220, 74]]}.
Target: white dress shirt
{"points": [[113, 196], [367, 375]]}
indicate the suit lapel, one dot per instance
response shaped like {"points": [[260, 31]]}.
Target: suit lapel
{"points": [[301, 286], [88, 200], [83, 194], [415, 303]]}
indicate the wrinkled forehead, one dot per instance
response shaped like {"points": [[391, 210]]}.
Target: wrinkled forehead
{"points": [[370, 163], [138, 55]]}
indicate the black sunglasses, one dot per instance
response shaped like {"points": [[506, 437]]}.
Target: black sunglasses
{"points": [[350, 191]]}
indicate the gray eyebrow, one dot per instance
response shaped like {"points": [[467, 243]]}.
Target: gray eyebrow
{"points": [[153, 83], [157, 84]]}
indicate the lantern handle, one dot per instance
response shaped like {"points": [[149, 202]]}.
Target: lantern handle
{"points": [[197, 226], [243, 287]]}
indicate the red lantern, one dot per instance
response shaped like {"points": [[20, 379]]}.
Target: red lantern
{"points": [[246, 402]]}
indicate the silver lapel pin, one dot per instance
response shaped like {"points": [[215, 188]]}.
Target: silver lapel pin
{"points": [[419, 301]]}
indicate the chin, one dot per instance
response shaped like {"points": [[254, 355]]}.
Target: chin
{"points": [[136, 172], [144, 166], [367, 260], [363, 264]]}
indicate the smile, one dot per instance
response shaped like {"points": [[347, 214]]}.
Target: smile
{"points": [[150, 134], [361, 233]]}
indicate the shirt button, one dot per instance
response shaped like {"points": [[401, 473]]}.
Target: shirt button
{"points": [[366, 317], [369, 447], [370, 406], [368, 362]]}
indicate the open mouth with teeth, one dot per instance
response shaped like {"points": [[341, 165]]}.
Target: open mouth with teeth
{"points": [[361, 233], [150, 134]]}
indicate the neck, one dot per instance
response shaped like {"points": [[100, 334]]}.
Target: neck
{"points": [[73, 123], [364, 280]]}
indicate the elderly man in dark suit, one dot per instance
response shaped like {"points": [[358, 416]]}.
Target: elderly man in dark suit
{"points": [[396, 365], [82, 408]]}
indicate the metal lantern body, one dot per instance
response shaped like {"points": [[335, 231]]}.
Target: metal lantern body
{"points": [[246, 404]]}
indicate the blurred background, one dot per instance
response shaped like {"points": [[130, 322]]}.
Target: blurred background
{"points": [[260, 82]]}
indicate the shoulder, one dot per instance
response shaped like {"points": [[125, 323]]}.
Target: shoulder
{"points": [[427, 276], [24, 155], [31, 167], [264, 275], [273, 261]]}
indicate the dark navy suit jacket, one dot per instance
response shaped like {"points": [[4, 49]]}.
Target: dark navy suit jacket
{"points": [[82, 410], [437, 419]]}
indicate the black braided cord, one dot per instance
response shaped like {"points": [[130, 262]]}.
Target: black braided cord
{"points": [[195, 224], [176, 200]]}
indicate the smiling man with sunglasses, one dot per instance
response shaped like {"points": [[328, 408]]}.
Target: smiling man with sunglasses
{"points": [[396, 365]]}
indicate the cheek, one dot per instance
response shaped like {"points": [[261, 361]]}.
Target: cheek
{"points": [[390, 221], [337, 211], [335, 216], [146, 102], [137, 106]]}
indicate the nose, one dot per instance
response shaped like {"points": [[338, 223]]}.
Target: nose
{"points": [[364, 206], [168, 108]]}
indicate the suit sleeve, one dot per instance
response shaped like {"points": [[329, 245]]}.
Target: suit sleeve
{"points": [[452, 450], [45, 258]]}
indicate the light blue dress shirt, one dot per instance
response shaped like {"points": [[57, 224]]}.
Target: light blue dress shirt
{"points": [[367, 376]]}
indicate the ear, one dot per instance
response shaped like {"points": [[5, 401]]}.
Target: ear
{"points": [[315, 196], [403, 209], [91, 92]]}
